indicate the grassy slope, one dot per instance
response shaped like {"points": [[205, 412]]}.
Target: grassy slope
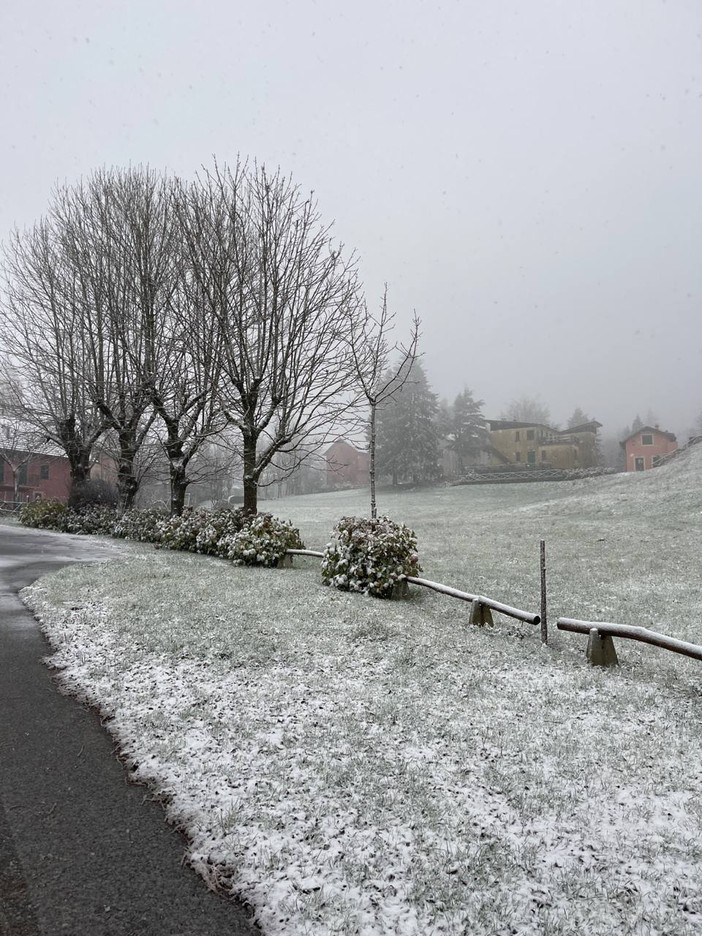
{"points": [[353, 766]]}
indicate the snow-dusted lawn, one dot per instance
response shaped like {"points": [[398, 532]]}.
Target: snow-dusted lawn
{"points": [[353, 766]]}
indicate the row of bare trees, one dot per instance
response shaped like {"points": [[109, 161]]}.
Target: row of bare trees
{"points": [[143, 307]]}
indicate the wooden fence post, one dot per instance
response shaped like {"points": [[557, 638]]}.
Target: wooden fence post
{"points": [[544, 623]]}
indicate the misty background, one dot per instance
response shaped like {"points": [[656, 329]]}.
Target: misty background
{"points": [[526, 176]]}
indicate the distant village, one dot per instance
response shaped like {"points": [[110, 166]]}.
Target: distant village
{"points": [[509, 451]]}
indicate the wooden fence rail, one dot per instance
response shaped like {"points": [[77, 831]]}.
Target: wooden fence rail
{"points": [[478, 601], [600, 650], [305, 552], [482, 606]]}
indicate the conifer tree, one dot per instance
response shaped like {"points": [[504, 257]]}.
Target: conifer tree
{"points": [[407, 443], [467, 431]]}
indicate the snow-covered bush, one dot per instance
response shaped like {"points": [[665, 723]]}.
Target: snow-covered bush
{"points": [[144, 526], [44, 514], [93, 520], [54, 515], [370, 556], [181, 532], [230, 534], [219, 525], [262, 541]]}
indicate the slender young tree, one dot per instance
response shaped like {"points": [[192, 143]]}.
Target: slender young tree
{"points": [[370, 352]]}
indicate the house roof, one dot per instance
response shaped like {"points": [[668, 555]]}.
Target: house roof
{"points": [[654, 429], [346, 442], [590, 426], [496, 424]]}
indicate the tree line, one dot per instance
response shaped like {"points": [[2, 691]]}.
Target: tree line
{"points": [[146, 306], [148, 313]]}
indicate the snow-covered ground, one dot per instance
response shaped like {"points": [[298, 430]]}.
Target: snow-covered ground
{"points": [[352, 766]]}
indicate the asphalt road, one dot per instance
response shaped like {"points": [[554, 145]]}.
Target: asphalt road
{"points": [[83, 852]]}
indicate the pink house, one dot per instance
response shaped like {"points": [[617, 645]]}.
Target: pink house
{"points": [[347, 466], [644, 448]]}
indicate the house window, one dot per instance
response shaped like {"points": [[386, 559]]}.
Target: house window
{"points": [[531, 457], [543, 454], [517, 456], [22, 475], [516, 436], [530, 434], [44, 472], [639, 464], [647, 438]]}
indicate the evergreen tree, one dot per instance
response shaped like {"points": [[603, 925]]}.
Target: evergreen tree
{"points": [[467, 431], [408, 443], [579, 418]]}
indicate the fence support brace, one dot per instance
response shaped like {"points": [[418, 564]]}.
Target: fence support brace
{"points": [[480, 614], [600, 649]]}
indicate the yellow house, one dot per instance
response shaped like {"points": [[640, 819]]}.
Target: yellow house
{"points": [[536, 444]]}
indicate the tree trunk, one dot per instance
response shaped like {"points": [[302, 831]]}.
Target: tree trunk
{"points": [[77, 451], [371, 462], [250, 477], [177, 466], [179, 487], [127, 482]]}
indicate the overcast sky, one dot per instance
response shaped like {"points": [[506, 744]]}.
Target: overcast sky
{"points": [[525, 174]]}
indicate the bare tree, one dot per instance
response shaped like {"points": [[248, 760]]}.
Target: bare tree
{"points": [[50, 360], [370, 351], [185, 397], [283, 295], [528, 410], [118, 231]]}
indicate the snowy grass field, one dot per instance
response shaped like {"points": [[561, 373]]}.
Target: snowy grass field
{"points": [[352, 766]]}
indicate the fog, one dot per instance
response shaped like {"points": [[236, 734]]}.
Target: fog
{"points": [[527, 176]]}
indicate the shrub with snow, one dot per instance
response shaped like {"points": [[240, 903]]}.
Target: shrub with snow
{"points": [[44, 514], [230, 534], [219, 526], [370, 556], [96, 520], [262, 541], [144, 526]]}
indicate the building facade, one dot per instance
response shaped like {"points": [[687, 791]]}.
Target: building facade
{"points": [[28, 476], [536, 444], [644, 448], [347, 466]]}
